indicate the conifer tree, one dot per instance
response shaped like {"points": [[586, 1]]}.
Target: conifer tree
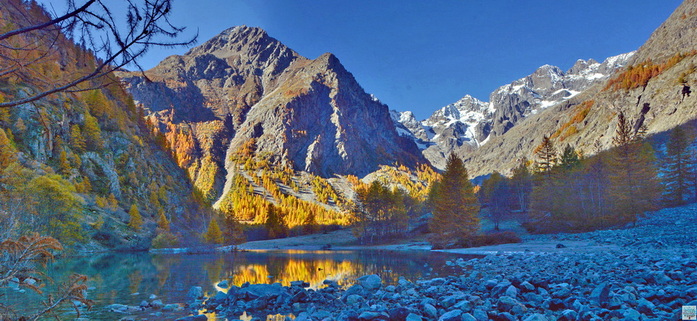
{"points": [[92, 133], [455, 207], [546, 156], [77, 141], [634, 186], [136, 219], [569, 158], [676, 167], [162, 221], [213, 234]]}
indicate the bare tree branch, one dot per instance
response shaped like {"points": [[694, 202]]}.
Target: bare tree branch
{"points": [[114, 43]]}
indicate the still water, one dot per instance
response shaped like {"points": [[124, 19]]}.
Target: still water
{"points": [[129, 278]]}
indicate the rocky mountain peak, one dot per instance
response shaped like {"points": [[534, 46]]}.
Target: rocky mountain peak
{"points": [[467, 124]]}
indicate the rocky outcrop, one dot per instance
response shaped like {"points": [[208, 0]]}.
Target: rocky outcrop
{"points": [[311, 115]]}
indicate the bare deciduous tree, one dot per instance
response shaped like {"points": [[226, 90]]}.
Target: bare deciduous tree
{"points": [[32, 42]]}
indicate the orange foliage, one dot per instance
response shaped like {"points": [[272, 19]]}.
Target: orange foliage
{"points": [[639, 75]]}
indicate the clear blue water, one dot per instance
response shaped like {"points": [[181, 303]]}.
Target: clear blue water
{"points": [[129, 278]]}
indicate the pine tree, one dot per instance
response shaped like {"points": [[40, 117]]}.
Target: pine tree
{"points": [[676, 167], [162, 221], [546, 156], [213, 235], [634, 186], [136, 219], [569, 158], [455, 207]]}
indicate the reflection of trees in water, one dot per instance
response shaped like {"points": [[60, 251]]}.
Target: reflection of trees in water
{"points": [[114, 277]]}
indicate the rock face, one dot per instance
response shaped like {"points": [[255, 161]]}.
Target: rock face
{"points": [[243, 86], [469, 123]]}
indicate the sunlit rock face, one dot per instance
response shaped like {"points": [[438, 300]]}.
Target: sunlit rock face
{"points": [[244, 85]]}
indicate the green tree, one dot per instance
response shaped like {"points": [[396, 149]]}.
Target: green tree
{"points": [[455, 207], [136, 219], [569, 158], [676, 168]]}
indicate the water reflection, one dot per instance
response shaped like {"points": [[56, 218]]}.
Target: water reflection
{"points": [[130, 278]]}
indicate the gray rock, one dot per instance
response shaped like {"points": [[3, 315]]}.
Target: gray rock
{"points": [[453, 315], [512, 291], [527, 287], [568, 315], [223, 284], [601, 294], [255, 291], [372, 315], [536, 317], [370, 282], [157, 304], [645, 306], [631, 315], [430, 311], [468, 317], [413, 317], [195, 293], [480, 315]]}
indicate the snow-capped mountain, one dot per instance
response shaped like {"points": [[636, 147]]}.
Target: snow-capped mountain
{"points": [[469, 123]]}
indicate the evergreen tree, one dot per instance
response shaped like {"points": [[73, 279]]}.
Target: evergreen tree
{"points": [[676, 167], [546, 156], [569, 158], [136, 219], [634, 186], [455, 207], [162, 221]]}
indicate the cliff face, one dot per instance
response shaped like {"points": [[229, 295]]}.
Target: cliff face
{"points": [[250, 90]]}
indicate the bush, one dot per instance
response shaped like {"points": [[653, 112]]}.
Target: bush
{"points": [[165, 239]]}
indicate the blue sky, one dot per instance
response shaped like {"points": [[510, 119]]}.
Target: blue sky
{"points": [[422, 55]]}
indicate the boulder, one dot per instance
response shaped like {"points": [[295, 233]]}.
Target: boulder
{"points": [[255, 291], [453, 315], [370, 282]]}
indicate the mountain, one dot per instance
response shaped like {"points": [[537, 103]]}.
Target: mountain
{"points": [[648, 90], [469, 123], [243, 94], [73, 164]]}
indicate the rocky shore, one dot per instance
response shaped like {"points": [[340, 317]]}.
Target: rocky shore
{"points": [[649, 274]]}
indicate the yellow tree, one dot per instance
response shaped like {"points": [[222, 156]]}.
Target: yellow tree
{"points": [[455, 207], [213, 235], [136, 219]]}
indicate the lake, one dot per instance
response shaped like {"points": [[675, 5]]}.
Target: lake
{"points": [[130, 278]]}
